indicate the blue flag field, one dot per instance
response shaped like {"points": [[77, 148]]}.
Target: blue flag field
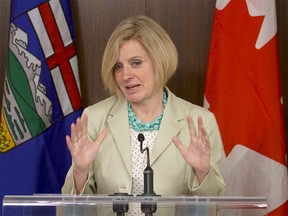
{"points": [[41, 98]]}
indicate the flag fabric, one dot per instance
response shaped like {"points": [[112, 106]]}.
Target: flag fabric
{"points": [[243, 90], [41, 98]]}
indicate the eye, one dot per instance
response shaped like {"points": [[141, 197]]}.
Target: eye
{"points": [[117, 67], [136, 63]]}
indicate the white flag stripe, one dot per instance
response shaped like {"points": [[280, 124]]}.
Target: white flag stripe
{"points": [[74, 65], [243, 164], [40, 29], [61, 91], [61, 22]]}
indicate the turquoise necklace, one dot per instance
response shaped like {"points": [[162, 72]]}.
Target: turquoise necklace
{"points": [[136, 123]]}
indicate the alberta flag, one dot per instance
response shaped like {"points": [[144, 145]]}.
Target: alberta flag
{"points": [[41, 98], [243, 90]]}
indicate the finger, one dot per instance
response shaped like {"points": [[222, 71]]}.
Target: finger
{"points": [[201, 130], [84, 124], [69, 143], [79, 128], [191, 126], [178, 143], [73, 133], [203, 133]]}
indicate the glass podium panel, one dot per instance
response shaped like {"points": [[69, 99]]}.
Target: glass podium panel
{"points": [[75, 205]]}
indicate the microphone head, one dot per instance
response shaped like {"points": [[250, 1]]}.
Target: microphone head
{"points": [[141, 137]]}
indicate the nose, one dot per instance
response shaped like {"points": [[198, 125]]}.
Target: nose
{"points": [[127, 73]]}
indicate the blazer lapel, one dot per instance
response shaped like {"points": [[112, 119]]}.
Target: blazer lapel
{"points": [[172, 123], [119, 126]]}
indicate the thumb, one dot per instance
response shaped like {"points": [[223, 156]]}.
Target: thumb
{"points": [[178, 143], [102, 136]]}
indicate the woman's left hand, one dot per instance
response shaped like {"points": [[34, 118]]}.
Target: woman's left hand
{"points": [[197, 155]]}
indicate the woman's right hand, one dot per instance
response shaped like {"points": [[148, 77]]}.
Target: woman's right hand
{"points": [[83, 151]]}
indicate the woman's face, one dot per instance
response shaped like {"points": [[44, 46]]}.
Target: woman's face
{"points": [[135, 72]]}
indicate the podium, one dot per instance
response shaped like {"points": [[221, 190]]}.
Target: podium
{"points": [[98, 205]]}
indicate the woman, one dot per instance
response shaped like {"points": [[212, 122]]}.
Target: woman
{"points": [[185, 154]]}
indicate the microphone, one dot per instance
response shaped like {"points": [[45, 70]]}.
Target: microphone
{"points": [[148, 171], [141, 138], [147, 208]]}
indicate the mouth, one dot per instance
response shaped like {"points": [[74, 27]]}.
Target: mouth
{"points": [[132, 87]]}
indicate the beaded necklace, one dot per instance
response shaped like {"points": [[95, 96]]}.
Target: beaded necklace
{"points": [[136, 123]]}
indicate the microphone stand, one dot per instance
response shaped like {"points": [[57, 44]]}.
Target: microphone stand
{"points": [[147, 208], [120, 206]]}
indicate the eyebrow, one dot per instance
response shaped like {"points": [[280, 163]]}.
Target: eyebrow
{"points": [[132, 58]]}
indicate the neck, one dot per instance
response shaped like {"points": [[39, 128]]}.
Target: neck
{"points": [[149, 110]]}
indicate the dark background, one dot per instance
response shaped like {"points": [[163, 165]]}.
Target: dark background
{"points": [[188, 22]]}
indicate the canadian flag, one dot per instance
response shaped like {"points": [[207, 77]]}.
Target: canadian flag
{"points": [[243, 90]]}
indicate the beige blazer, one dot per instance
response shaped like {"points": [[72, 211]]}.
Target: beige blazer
{"points": [[110, 172]]}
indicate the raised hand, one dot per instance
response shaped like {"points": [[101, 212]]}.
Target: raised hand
{"points": [[197, 155], [83, 151]]}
